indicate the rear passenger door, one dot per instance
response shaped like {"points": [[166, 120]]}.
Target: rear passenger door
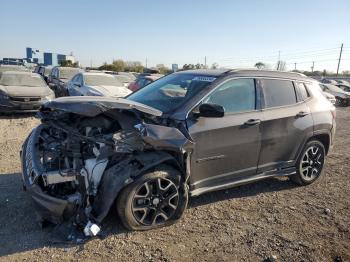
{"points": [[286, 123]]}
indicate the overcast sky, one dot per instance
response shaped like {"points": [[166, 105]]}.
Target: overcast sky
{"points": [[230, 33]]}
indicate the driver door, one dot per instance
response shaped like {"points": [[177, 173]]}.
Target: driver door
{"points": [[227, 148]]}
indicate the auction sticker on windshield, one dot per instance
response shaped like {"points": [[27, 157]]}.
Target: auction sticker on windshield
{"points": [[204, 78]]}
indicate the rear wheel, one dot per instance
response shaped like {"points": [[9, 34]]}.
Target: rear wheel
{"points": [[156, 199], [310, 164]]}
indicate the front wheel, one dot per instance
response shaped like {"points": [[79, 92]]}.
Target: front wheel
{"points": [[310, 164], [156, 199]]}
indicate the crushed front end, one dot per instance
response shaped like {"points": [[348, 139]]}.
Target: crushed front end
{"points": [[75, 163]]}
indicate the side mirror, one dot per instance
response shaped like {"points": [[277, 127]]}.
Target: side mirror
{"points": [[211, 110]]}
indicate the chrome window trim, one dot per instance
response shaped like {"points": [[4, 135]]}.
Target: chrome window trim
{"points": [[249, 77]]}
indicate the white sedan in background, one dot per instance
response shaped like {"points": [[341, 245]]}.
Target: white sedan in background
{"points": [[96, 84]]}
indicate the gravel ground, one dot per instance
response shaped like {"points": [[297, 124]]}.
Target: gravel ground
{"points": [[272, 218]]}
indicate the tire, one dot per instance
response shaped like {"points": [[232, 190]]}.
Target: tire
{"points": [[154, 200], [310, 163]]}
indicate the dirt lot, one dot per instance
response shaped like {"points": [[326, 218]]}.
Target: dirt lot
{"points": [[251, 223]]}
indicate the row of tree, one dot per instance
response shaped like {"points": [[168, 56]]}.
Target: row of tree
{"points": [[123, 66], [120, 65]]}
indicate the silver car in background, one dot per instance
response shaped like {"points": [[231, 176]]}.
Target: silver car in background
{"points": [[23, 91], [4, 68], [96, 84]]}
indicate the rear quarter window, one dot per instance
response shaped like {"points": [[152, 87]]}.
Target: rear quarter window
{"points": [[302, 92], [278, 93]]}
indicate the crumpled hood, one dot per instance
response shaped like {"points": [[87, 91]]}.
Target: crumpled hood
{"points": [[31, 91], [117, 91], [94, 105]]}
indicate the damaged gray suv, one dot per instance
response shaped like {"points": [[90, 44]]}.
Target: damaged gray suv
{"points": [[187, 133]]}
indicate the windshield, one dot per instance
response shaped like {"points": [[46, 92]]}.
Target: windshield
{"points": [[21, 80], [47, 71], [170, 92], [68, 73], [101, 80]]}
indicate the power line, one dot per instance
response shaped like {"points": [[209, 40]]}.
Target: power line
{"points": [[285, 57], [286, 54]]}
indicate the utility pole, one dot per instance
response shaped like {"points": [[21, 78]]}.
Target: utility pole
{"points": [[146, 62], [295, 66], [313, 65], [341, 51], [205, 62], [279, 60]]}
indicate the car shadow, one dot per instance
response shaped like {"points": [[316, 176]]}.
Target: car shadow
{"points": [[20, 231], [253, 189]]}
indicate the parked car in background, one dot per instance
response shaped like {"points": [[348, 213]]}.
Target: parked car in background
{"points": [[344, 87], [23, 91], [126, 80], [96, 84], [186, 134], [4, 68], [128, 75], [44, 71], [59, 78], [342, 97], [329, 81], [125, 77], [143, 80], [331, 98], [343, 82]]}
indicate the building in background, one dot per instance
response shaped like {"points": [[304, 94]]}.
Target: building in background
{"points": [[38, 57], [47, 58]]}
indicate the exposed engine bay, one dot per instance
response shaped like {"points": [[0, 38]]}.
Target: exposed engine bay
{"points": [[75, 162]]}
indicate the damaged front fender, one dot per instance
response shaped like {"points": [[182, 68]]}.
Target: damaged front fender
{"points": [[122, 174]]}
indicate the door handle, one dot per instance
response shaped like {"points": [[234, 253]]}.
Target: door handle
{"points": [[302, 114], [252, 122]]}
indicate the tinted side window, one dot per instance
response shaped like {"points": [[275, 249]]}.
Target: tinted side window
{"points": [[74, 79], [80, 80], [141, 82], [303, 94], [237, 95], [147, 81], [278, 93]]}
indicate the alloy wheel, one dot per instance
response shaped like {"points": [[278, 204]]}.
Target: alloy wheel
{"points": [[311, 163], [155, 201]]}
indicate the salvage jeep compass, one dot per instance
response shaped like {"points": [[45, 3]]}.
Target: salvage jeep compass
{"points": [[187, 133]]}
